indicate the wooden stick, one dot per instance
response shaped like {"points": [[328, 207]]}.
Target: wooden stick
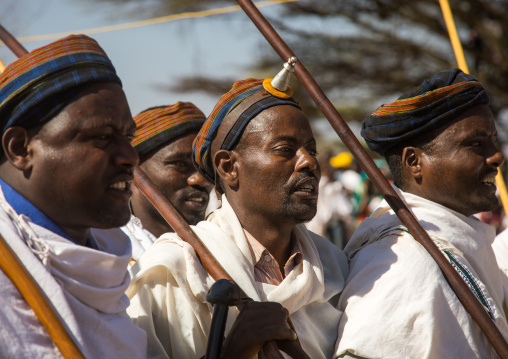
{"points": [[454, 37], [32, 293], [464, 294], [12, 43]]}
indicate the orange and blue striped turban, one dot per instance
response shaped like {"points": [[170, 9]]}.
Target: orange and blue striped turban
{"points": [[231, 115], [435, 102], [37, 86], [160, 125]]}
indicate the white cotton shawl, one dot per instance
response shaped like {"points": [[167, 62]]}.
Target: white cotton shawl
{"points": [[85, 287], [397, 303], [141, 239], [500, 247], [169, 287]]}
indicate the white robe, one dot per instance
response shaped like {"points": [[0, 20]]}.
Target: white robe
{"points": [[141, 239], [169, 287], [85, 286], [500, 247], [397, 303]]}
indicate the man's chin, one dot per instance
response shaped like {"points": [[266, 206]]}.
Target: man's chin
{"points": [[113, 219]]}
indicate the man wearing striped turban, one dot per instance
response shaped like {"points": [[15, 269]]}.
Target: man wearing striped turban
{"points": [[163, 141], [258, 148], [440, 143], [66, 167]]}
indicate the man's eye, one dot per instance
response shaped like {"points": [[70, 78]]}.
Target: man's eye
{"points": [[103, 137]]}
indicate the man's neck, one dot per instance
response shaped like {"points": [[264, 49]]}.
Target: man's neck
{"points": [[156, 226], [22, 204], [276, 239]]}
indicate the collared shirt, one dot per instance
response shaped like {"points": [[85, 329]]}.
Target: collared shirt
{"points": [[266, 268], [23, 206]]}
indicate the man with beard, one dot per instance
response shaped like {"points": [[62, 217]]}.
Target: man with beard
{"points": [[440, 144], [66, 165], [258, 148], [163, 141]]}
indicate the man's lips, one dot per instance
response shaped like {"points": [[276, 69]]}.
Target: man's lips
{"points": [[197, 200], [122, 184], [307, 187], [489, 180]]}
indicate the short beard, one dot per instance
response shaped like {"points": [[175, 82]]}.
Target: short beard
{"points": [[298, 212]]}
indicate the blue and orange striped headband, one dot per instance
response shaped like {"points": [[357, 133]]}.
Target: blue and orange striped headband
{"points": [[161, 125], [37, 86], [229, 118], [435, 102]]}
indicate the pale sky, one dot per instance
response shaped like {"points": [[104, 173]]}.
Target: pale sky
{"points": [[144, 57]]}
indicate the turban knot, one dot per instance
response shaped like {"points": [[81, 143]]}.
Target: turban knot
{"points": [[435, 102]]}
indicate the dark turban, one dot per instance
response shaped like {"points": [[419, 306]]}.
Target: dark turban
{"points": [[230, 116], [434, 103], [37, 86]]}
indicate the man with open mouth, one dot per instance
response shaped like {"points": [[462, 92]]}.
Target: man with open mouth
{"points": [[257, 147], [66, 167], [163, 141], [440, 144]]}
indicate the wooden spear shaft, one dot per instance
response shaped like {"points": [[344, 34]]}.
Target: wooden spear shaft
{"points": [[12, 43], [464, 294]]}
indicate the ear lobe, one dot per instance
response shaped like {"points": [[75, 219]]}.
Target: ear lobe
{"points": [[16, 146], [412, 162], [226, 167]]}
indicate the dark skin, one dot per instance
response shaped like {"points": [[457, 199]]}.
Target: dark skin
{"points": [[171, 169], [257, 323], [272, 177], [271, 180], [459, 170], [78, 167]]}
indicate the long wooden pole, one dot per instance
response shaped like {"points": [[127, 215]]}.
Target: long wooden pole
{"points": [[30, 290], [464, 294], [461, 62]]}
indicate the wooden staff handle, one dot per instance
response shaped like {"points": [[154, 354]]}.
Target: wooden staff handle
{"points": [[33, 295], [464, 294], [11, 42], [208, 261]]}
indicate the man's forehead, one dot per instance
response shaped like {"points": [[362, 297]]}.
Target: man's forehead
{"points": [[96, 106], [281, 123]]}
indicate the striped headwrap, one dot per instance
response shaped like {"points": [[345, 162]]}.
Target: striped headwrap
{"points": [[434, 103], [229, 117], [37, 86], [160, 125]]}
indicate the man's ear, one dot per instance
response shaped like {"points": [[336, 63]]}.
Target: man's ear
{"points": [[16, 146], [226, 165], [412, 162]]}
